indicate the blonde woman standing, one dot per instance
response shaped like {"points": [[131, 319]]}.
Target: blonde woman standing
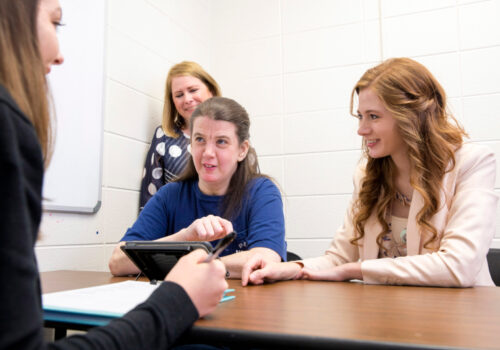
{"points": [[187, 85]]}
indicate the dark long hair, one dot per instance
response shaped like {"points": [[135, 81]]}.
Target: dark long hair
{"points": [[221, 108], [21, 67]]}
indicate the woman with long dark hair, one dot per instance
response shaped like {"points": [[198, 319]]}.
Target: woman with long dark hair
{"points": [[221, 189]]}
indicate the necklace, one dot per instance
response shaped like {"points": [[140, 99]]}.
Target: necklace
{"points": [[405, 200]]}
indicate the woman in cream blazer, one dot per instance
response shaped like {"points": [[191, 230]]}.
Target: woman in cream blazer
{"points": [[419, 179], [465, 221]]}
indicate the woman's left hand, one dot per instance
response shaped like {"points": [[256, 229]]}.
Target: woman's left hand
{"points": [[344, 272]]}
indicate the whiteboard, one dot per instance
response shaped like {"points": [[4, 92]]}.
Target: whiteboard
{"points": [[73, 180]]}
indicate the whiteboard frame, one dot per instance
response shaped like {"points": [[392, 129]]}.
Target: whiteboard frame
{"points": [[73, 180]]}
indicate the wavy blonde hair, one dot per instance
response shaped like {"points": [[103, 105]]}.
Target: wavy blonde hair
{"points": [[21, 67], [418, 103], [172, 121]]}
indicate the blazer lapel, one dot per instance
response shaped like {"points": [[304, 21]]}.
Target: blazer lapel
{"points": [[415, 239], [372, 230], [412, 234]]}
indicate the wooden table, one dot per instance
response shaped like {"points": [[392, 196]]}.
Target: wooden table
{"points": [[306, 314]]}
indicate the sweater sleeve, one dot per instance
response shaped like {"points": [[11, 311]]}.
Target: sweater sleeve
{"points": [[20, 196], [266, 223]]}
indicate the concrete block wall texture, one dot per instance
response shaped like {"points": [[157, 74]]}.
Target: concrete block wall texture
{"points": [[144, 38], [298, 89], [291, 64]]}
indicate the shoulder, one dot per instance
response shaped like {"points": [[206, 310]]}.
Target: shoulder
{"points": [[472, 155], [16, 127], [179, 139], [7, 104], [172, 188], [262, 191], [469, 151], [168, 195], [161, 142], [475, 164], [158, 135], [159, 131], [6, 99], [262, 184], [359, 173]]}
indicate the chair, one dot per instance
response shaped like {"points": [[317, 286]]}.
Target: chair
{"points": [[292, 256], [493, 258]]}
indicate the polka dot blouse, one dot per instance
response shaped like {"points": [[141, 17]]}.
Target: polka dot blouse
{"points": [[166, 159]]}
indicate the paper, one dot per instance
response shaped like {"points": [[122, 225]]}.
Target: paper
{"points": [[111, 300]]}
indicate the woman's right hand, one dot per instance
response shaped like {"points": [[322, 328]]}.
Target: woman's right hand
{"points": [[258, 270], [205, 283], [208, 228]]}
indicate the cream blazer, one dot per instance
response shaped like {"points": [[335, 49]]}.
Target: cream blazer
{"points": [[465, 225]]}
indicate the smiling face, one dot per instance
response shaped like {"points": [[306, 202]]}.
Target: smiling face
{"points": [[379, 128], [216, 152], [187, 93], [49, 18]]}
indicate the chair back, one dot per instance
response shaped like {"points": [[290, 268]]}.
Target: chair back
{"points": [[493, 258], [292, 256]]}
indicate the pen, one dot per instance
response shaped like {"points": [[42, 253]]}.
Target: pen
{"points": [[221, 245]]}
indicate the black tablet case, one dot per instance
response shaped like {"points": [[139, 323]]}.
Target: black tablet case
{"points": [[156, 259]]}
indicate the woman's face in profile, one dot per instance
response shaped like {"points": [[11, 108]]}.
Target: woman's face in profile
{"points": [[378, 127], [187, 93], [48, 19]]}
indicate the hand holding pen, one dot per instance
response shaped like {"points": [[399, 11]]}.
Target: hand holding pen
{"points": [[204, 283], [221, 245]]}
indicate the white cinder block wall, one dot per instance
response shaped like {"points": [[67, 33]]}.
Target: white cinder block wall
{"points": [[144, 39], [292, 64]]}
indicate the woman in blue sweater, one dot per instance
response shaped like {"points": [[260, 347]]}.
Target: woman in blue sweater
{"points": [[220, 191]]}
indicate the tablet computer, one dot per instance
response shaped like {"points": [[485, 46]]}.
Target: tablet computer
{"points": [[156, 259]]}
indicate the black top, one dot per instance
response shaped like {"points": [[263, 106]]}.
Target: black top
{"points": [[155, 324]]}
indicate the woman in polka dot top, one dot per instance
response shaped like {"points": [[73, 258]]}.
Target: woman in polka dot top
{"points": [[187, 85]]}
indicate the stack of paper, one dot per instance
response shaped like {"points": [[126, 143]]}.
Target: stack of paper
{"points": [[99, 305]]}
